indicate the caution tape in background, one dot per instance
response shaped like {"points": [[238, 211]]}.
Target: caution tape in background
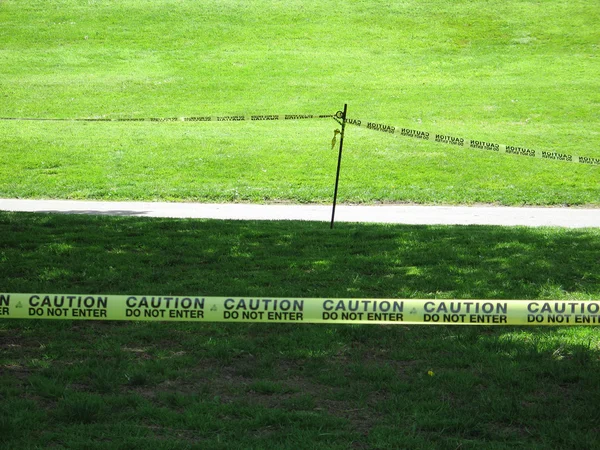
{"points": [[406, 132], [474, 144], [260, 117], [299, 310]]}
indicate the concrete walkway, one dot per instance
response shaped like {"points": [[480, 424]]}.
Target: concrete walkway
{"points": [[401, 214]]}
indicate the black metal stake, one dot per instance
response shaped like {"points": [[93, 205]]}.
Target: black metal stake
{"points": [[339, 115]]}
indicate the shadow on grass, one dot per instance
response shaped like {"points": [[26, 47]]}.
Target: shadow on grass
{"points": [[127, 255], [113, 212], [319, 385]]}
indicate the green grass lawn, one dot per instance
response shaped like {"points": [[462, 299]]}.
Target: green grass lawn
{"points": [[188, 385], [523, 73], [514, 72]]}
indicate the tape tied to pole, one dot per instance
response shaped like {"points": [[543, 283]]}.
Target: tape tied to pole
{"points": [[299, 310]]}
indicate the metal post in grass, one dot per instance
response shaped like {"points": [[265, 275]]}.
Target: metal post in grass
{"points": [[339, 115]]}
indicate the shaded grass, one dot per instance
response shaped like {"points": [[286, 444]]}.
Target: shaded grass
{"points": [[369, 387], [112, 255], [184, 385]]}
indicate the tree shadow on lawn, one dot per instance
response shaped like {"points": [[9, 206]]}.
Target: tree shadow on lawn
{"points": [[501, 384], [128, 255]]}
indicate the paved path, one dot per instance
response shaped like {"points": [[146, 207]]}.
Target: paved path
{"points": [[403, 214]]}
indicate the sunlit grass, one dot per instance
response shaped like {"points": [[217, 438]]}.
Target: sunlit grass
{"points": [[508, 72]]}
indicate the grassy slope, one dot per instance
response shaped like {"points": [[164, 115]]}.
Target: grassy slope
{"points": [[522, 73], [218, 386]]}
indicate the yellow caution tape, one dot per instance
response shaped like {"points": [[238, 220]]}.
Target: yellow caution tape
{"points": [[476, 144], [406, 132], [234, 118], [299, 310]]}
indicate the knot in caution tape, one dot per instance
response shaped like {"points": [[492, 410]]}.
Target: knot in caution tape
{"points": [[335, 133]]}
